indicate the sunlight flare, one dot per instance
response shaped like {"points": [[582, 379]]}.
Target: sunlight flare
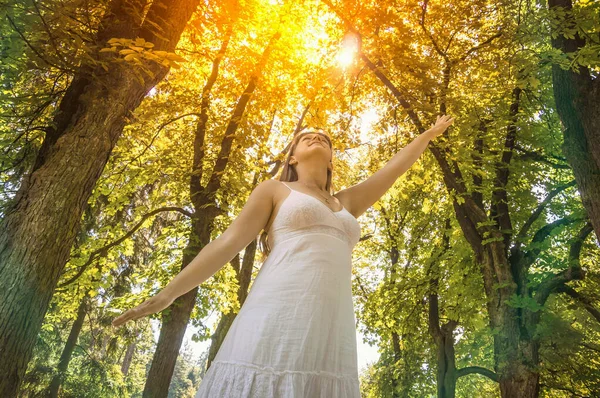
{"points": [[349, 49]]}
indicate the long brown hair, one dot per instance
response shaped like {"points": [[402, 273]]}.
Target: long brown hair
{"points": [[289, 173]]}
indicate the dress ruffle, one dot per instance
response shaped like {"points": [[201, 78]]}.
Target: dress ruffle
{"points": [[229, 379]]}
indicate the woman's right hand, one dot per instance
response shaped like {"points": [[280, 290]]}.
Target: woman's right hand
{"points": [[440, 125], [154, 304]]}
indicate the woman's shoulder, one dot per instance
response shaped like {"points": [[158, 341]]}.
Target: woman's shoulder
{"points": [[274, 182], [271, 186]]}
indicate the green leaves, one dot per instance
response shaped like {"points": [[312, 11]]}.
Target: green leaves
{"points": [[525, 302]]}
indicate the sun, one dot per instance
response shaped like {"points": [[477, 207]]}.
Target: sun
{"points": [[346, 57], [349, 49]]}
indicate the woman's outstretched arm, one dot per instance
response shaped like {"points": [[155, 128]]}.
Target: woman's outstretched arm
{"points": [[358, 198], [248, 224]]}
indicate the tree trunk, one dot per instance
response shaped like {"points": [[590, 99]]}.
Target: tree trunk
{"points": [[401, 382], [446, 360], [128, 358], [515, 353], [40, 226], [65, 357], [397, 356], [442, 334], [175, 320], [174, 325], [577, 98]]}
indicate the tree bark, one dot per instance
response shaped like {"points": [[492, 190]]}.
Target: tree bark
{"points": [[40, 225], [577, 98]]}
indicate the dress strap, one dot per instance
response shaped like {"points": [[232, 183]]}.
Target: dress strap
{"points": [[286, 185]]}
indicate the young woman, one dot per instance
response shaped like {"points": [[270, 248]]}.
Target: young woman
{"points": [[295, 334]]}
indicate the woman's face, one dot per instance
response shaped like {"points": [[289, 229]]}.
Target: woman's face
{"points": [[310, 145], [309, 141]]}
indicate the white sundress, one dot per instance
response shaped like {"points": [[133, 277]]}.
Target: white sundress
{"points": [[295, 335]]}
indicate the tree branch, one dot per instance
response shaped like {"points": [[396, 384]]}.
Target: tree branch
{"points": [[538, 157], [557, 282], [154, 137], [479, 370], [433, 42], [541, 235], [538, 211], [472, 214], [499, 210], [214, 181], [480, 45], [586, 301], [104, 249]]}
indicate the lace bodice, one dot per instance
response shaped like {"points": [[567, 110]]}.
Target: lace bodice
{"points": [[301, 213]]}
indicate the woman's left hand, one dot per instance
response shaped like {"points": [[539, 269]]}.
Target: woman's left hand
{"points": [[441, 124]]}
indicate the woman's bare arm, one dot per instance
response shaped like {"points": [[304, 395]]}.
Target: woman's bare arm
{"points": [[248, 224], [244, 228], [361, 196]]}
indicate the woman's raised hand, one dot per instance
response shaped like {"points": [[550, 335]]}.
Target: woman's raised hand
{"points": [[440, 125], [154, 304]]}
